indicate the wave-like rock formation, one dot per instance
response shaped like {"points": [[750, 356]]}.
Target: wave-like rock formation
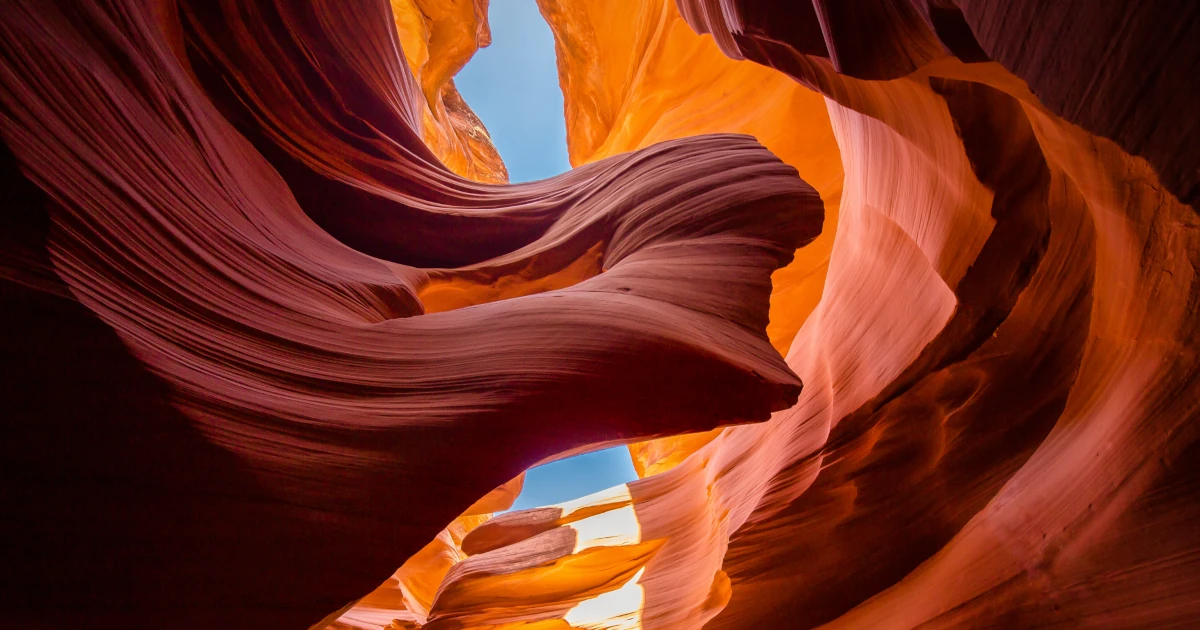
{"points": [[270, 325], [222, 414]]}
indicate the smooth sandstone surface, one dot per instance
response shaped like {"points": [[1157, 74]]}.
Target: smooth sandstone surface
{"points": [[229, 406], [272, 331]]}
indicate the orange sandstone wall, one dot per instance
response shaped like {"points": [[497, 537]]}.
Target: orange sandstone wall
{"points": [[267, 334], [232, 408], [437, 39], [1000, 373], [638, 75]]}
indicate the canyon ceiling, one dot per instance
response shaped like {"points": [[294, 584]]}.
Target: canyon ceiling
{"points": [[893, 302]]}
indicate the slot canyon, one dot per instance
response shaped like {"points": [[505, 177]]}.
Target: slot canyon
{"points": [[892, 302]]}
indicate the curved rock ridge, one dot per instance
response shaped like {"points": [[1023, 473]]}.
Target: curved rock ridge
{"points": [[999, 419], [1122, 70], [622, 93], [264, 341], [228, 406]]}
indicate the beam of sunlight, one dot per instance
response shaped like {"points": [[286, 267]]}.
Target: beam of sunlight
{"points": [[615, 610], [613, 528]]}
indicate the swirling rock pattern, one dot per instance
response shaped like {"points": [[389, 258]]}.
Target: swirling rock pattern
{"points": [[1122, 70], [1000, 398], [222, 414], [264, 341], [989, 410]]}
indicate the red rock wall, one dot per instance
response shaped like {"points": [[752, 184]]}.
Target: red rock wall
{"points": [[261, 345], [995, 427], [226, 414]]}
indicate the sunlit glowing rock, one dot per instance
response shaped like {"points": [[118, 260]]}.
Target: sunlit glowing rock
{"points": [[615, 610], [265, 337], [437, 38], [960, 363], [235, 411], [623, 91], [941, 361]]}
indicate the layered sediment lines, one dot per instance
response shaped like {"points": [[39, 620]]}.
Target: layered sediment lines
{"points": [[228, 405], [1029, 464], [267, 333], [1000, 374]]}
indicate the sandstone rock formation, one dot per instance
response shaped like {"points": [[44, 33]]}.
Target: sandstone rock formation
{"points": [[266, 335], [437, 38], [225, 415]]}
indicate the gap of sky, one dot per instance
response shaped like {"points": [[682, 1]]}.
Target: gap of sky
{"points": [[513, 87], [575, 477]]}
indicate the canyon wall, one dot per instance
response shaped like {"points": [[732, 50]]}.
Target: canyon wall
{"points": [[229, 407], [269, 327]]}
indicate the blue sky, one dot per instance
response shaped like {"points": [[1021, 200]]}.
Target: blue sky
{"points": [[575, 477], [513, 87]]}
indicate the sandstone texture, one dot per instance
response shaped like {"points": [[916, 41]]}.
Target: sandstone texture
{"points": [[892, 301]]}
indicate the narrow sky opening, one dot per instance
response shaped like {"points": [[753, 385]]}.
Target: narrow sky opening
{"points": [[575, 477], [513, 87]]}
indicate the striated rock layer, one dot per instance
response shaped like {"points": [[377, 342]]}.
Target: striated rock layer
{"points": [[226, 403], [1000, 372], [1029, 465], [263, 340], [1000, 364]]}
